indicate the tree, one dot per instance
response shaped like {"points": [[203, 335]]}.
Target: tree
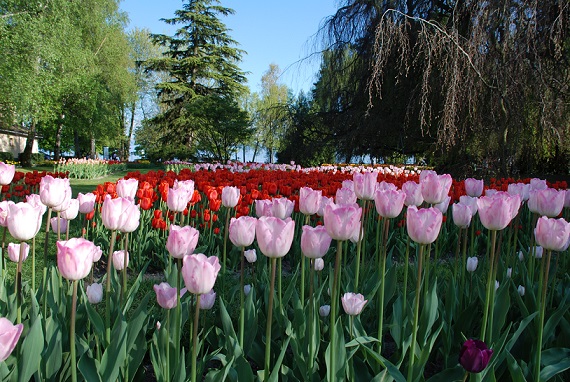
{"points": [[272, 116], [200, 61]]}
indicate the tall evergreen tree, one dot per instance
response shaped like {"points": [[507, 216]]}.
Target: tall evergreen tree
{"points": [[201, 60]]}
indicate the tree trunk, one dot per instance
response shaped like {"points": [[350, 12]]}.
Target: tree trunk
{"points": [[76, 144], [131, 129], [26, 155], [57, 146], [93, 153]]}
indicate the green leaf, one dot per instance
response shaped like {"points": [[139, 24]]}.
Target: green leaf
{"points": [[391, 369], [274, 377], [514, 368], [29, 357], [94, 317], [556, 360], [52, 352], [88, 367], [453, 374], [114, 357]]}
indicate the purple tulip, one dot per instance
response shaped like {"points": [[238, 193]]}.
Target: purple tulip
{"points": [[444, 205], [200, 272], [230, 196], [474, 187], [353, 303], [207, 300], [250, 256], [75, 258], [7, 172], [9, 336], [181, 241], [309, 200], [242, 231], [423, 225], [315, 241], [552, 234], [342, 221], [274, 235], [475, 356], [263, 207]]}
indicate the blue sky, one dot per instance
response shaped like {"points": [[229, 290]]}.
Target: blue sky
{"points": [[270, 31]]}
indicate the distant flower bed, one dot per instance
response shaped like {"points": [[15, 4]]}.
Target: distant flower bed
{"points": [[89, 168]]}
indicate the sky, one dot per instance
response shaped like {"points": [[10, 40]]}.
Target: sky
{"points": [[270, 31]]}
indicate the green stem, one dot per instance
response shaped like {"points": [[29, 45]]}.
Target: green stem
{"points": [[34, 265], [405, 293], [125, 260], [46, 243], [241, 299], [167, 328], [302, 292], [359, 244], [269, 319], [544, 277], [3, 249], [382, 282], [416, 315], [334, 303], [178, 321], [311, 319], [108, 289], [195, 338], [19, 282], [72, 333], [490, 285], [279, 296]]}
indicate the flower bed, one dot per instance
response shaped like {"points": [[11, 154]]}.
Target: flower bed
{"points": [[89, 168], [330, 273]]}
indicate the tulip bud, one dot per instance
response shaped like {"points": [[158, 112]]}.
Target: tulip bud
{"points": [[62, 224], [158, 325], [472, 264], [119, 260], [14, 252], [497, 284], [207, 300], [319, 264], [521, 256], [94, 293], [324, 310], [353, 303], [509, 272], [250, 256], [538, 252], [230, 196], [521, 290], [246, 289]]}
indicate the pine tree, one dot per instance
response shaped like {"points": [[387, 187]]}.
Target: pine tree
{"points": [[200, 60]]}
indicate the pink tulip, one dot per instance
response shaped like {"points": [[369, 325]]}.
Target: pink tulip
{"points": [[230, 196], [14, 252], [66, 190], [385, 186], [114, 212], [552, 234], [461, 215], [62, 224], [423, 225], [325, 201], [132, 217], [200, 272], [471, 202], [549, 202], [315, 241], [4, 211], [435, 188], [389, 203], [34, 200], [282, 208], [242, 231], [97, 253], [490, 192], [538, 184], [127, 188], [353, 303], [309, 200], [365, 184], [319, 264], [567, 198], [24, 220], [166, 296], [75, 258], [474, 187], [72, 210], [94, 293], [345, 196], [7, 172], [86, 202], [187, 185], [342, 221], [413, 192], [274, 235], [181, 241], [207, 300], [263, 207], [496, 212], [444, 205], [520, 189], [347, 183], [178, 199], [119, 259], [9, 336]]}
